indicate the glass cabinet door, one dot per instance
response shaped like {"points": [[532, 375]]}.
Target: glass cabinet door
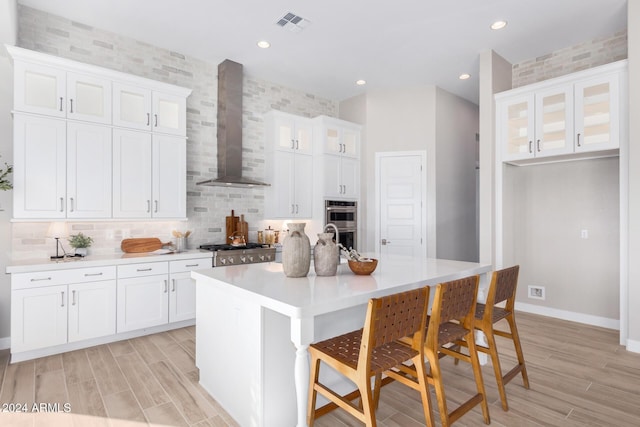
{"points": [[517, 127], [596, 104], [554, 122], [40, 89]]}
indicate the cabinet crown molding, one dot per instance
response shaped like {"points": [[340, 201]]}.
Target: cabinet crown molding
{"points": [[25, 55]]}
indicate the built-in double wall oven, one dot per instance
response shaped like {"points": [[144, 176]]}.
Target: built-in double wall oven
{"points": [[344, 215]]}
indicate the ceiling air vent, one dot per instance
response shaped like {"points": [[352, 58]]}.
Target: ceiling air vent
{"points": [[293, 22]]}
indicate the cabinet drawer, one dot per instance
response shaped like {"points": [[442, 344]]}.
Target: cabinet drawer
{"points": [[190, 264], [62, 277], [144, 269]]}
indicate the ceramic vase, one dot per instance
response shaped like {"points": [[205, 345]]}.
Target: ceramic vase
{"points": [[325, 255], [296, 251]]}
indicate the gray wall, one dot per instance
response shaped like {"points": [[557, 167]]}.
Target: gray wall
{"points": [[457, 124], [424, 119], [546, 208]]}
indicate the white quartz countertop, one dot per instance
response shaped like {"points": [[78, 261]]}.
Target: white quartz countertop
{"points": [[265, 283], [34, 265]]}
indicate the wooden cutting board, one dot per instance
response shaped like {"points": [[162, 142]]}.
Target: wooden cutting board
{"points": [[231, 226], [243, 228], [138, 245]]}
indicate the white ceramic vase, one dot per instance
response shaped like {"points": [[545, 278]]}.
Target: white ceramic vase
{"points": [[296, 251], [325, 255]]}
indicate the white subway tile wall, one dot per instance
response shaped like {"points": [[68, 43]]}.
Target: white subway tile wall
{"points": [[206, 206], [571, 59]]}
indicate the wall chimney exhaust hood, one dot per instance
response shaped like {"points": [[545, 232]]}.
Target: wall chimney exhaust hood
{"points": [[230, 129]]}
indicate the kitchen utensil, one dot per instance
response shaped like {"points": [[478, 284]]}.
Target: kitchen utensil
{"points": [[139, 245], [231, 226], [238, 239], [260, 236], [269, 237], [243, 227]]}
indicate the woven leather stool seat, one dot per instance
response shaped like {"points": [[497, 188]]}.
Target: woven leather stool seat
{"points": [[369, 352]]}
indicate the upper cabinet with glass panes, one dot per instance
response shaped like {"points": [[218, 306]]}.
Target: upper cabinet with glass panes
{"points": [[573, 116], [57, 87]]}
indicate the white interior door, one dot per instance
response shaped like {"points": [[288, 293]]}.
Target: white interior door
{"points": [[402, 203]]}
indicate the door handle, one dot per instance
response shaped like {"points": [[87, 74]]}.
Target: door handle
{"points": [[148, 119], [166, 287], [71, 204], [156, 119], [385, 242], [578, 140], [148, 206], [61, 204], [61, 101], [73, 297], [71, 101], [156, 206], [538, 143], [173, 285], [62, 299]]}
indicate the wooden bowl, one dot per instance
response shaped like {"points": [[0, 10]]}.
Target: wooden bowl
{"points": [[363, 268]]}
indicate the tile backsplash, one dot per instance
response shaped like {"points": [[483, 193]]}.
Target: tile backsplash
{"points": [[206, 206]]}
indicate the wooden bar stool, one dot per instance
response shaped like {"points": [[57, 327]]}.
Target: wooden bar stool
{"points": [[373, 351], [450, 326], [502, 288]]}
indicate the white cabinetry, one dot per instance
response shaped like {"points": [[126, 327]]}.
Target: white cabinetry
{"points": [[337, 148], [182, 293], [149, 175], [51, 308], [142, 295], [63, 163], [144, 109], [39, 158], [289, 165], [63, 170], [562, 117], [45, 89]]}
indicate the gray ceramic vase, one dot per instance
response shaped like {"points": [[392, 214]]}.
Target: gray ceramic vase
{"points": [[325, 255], [296, 251]]}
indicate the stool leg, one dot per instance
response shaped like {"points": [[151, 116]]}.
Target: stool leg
{"points": [[497, 370], [477, 373], [516, 342], [311, 407]]}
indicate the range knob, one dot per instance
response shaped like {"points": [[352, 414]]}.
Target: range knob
{"points": [[231, 261], [243, 259], [261, 257], [223, 261], [251, 259]]}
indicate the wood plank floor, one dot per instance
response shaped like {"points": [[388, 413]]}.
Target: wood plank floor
{"points": [[579, 376]]}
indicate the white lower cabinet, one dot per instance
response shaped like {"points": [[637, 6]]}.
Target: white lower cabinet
{"points": [[182, 294], [60, 310], [153, 294], [38, 318], [142, 295], [51, 308], [92, 310]]}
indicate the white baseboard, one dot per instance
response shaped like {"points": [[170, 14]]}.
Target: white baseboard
{"points": [[5, 343], [633, 346], [572, 316]]}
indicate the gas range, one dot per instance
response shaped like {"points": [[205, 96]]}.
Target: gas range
{"points": [[250, 253]]}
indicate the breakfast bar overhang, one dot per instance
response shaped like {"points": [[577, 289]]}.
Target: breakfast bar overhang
{"points": [[254, 326]]}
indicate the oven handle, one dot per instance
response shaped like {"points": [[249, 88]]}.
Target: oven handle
{"points": [[341, 208]]}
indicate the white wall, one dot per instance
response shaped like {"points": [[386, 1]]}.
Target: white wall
{"points": [[8, 35], [633, 301], [398, 120], [457, 124]]}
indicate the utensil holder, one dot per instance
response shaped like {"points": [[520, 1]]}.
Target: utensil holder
{"points": [[181, 244]]}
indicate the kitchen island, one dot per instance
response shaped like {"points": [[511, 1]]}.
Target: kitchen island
{"points": [[254, 326]]}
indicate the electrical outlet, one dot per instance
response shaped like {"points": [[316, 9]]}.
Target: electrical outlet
{"points": [[536, 292]]}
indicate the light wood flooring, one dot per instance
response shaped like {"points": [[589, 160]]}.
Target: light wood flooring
{"points": [[579, 376]]}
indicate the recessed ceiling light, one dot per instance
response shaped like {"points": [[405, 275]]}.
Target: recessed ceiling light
{"points": [[361, 82], [264, 44], [464, 76], [498, 25]]}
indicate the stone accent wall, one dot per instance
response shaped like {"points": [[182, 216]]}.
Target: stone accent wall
{"points": [[571, 59], [206, 206]]}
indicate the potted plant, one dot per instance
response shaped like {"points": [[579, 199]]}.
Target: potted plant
{"points": [[5, 184], [80, 243]]}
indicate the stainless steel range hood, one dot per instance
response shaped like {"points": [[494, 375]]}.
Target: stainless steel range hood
{"points": [[230, 129]]}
